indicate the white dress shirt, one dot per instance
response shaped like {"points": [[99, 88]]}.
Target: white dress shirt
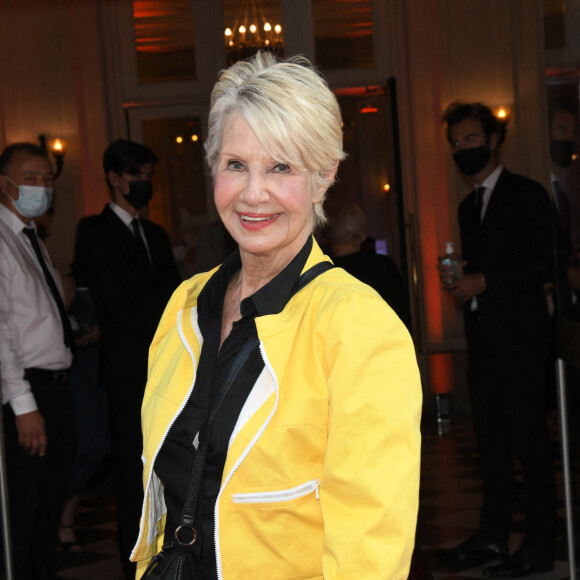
{"points": [[489, 184], [31, 334], [553, 178]]}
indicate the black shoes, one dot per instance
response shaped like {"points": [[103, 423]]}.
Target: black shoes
{"points": [[524, 562], [474, 551]]}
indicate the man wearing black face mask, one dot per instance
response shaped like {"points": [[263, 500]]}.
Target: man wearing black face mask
{"points": [[506, 244], [563, 131], [128, 265]]}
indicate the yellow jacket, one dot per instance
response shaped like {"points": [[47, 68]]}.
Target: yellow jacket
{"points": [[321, 478]]}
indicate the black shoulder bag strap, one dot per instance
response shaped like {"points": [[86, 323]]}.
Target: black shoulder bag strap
{"points": [[309, 275], [192, 494]]}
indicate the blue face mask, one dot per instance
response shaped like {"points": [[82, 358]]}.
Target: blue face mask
{"points": [[33, 200]]}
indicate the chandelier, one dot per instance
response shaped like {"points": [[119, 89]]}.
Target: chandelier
{"points": [[252, 32]]}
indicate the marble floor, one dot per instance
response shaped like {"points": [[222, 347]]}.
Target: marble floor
{"points": [[449, 508], [450, 499]]}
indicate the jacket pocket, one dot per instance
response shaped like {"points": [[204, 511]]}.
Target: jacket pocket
{"points": [[279, 495]]}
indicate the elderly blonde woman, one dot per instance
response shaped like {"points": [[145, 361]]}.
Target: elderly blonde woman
{"points": [[298, 458]]}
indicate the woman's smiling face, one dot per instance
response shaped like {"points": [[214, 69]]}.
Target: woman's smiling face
{"points": [[267, 206]]}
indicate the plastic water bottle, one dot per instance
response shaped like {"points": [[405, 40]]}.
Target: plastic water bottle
{"points": [[443, 410], [452, 260]]}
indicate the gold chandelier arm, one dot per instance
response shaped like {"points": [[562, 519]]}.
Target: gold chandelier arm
{"points": [[252, 32]]}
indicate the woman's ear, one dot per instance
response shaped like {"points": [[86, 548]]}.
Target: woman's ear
{"points": [[329, 178]]}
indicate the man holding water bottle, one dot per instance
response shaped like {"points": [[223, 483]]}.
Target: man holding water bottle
{"points": [[506, 252]]}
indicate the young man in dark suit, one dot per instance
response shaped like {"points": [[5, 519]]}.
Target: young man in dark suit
{"points": [[128, 265], [563, 134], [507, 250]]}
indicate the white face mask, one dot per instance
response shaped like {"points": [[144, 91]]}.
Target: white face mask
{"points": [[33, 200]]}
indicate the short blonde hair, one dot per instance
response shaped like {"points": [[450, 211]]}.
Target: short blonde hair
{"points": [[289, 107]]}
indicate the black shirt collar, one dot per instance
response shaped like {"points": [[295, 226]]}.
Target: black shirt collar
{"points": [[270, 299]]}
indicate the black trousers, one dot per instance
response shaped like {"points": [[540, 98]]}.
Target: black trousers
{"points": [[37, 485], [125, 400], [507, 399]]}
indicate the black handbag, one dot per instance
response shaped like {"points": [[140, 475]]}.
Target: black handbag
{"points": [[172, 562]]}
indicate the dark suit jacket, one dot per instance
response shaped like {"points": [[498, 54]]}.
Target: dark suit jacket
{"points": [[129, 293], [565, 257], [514, 251]]}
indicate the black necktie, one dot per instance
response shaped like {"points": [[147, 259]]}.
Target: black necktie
{"points": [[66, 327], [477, 207], [140, 240]]}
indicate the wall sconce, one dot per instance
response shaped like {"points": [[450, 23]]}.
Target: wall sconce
{"points": [[502, 113], [371, 96], [57, 148], [369, 108]]}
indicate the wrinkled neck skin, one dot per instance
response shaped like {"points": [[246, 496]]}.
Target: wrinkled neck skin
{"points": [[258, 269]]}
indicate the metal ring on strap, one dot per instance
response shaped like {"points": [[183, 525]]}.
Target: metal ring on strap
{"points": [[185, 528]]}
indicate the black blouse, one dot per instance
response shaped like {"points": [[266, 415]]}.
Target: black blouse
{"points": [[175, 459]]}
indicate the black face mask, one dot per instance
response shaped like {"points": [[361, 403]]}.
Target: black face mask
{"points": [[561, 152], [140, 193], [472, 161]]}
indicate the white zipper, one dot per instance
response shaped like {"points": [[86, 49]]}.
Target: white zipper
{"points": [[240, 460], [184, 402], [279, 495]]}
